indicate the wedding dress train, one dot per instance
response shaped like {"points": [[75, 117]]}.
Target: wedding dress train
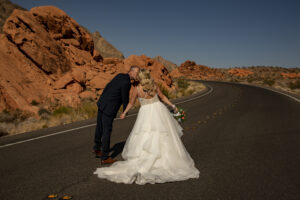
{"points": [[153, 152]]}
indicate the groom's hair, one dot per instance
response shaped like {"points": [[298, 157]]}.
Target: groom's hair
{"points": [[134, 67]]}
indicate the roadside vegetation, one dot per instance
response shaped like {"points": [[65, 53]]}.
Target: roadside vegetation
{"points": [[285, 79], [15, 122]]}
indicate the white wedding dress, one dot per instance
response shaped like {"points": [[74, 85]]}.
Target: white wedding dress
{"points": [[153, 152]]}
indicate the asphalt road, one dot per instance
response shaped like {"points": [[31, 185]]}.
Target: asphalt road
{"points": [[244, 140]]}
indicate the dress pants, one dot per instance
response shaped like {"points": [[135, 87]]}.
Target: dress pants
{"points": [[102, 133]]}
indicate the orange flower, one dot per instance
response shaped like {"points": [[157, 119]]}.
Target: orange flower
{"points": [[182, 117]]}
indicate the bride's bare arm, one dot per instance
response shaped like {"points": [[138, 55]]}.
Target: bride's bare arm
{"points": [[163, 97], [131, 102]]}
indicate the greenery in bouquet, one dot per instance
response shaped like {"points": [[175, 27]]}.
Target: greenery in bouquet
{"points": [[180, 115]]}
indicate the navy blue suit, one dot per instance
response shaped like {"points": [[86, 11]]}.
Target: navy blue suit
{"points": [[115, 93]]}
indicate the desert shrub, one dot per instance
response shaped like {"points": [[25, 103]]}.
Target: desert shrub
{"points": [[250, 79], [20, 115], [7, 117], [34, 103], [14, 116], [164, 91], [3, 132], [234, 80], [182, 82], [43, 111], [188, 92], [62, 110], [45, 126], [89, 108], [269, 82], [294, 85]]}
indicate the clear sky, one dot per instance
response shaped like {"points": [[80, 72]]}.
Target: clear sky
{"points": [[216, 33]]}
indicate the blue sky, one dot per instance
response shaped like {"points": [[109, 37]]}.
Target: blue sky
{"points": [[216, 33]]}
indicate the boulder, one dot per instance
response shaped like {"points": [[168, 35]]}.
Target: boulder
{"points": [[100, 81], [75, 87], [87, 94], [63, 81]]}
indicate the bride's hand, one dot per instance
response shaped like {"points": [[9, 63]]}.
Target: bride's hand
{"points": [[122, 116], [176, 110]]}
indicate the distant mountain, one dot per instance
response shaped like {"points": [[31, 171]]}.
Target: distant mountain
{"points": [[106, 49], [168, 64], [6, 8]]}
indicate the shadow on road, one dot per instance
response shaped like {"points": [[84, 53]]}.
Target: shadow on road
{"points": [[117, 149]]}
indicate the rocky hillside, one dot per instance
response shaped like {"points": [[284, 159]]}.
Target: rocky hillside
{"points": [[106, 49], [286, 79], [168, 64], [6, 8], [194, 71], [47, 58]]}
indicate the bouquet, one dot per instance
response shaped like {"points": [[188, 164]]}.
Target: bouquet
{"points": [[180, 115]]}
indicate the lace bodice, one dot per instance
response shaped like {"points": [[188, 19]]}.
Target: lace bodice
{"points": [[144, 101]]}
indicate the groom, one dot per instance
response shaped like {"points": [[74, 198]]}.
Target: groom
{"points": [[115, 93]]}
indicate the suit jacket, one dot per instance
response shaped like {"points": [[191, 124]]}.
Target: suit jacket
{"points": [[115, 93]]}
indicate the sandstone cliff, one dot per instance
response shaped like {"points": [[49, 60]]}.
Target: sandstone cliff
{"points": [[47, 58]]}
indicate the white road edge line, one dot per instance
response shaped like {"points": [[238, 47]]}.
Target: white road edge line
{"points": [[81, 127], [296, 99]]}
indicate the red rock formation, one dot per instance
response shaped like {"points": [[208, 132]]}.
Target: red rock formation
{"points": [[239, 72], [41, 48], [191, 70], [46, 56], [158, 71], [290, 75]]}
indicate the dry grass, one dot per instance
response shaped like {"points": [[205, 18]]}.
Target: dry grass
{"points": [[12, 123], [186, 87]]}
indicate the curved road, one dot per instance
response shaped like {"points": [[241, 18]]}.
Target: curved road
{"points": [[244, 140]]}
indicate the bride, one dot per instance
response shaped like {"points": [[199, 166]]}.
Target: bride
{"points": [[153, 152]]}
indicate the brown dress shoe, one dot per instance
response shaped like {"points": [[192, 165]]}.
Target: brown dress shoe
{"points": [[98, 153], [109, 160]]}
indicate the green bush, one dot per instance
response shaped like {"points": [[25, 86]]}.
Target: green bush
{"points": [[250, 80], [183, 82], [62, 110], [269, 82], [294, 85], [34, 103]]}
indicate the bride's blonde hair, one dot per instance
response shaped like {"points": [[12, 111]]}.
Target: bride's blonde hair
{"points": [[146, 81]]}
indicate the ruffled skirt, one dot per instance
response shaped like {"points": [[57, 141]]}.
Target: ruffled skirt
{"points": [[153, 152]]}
